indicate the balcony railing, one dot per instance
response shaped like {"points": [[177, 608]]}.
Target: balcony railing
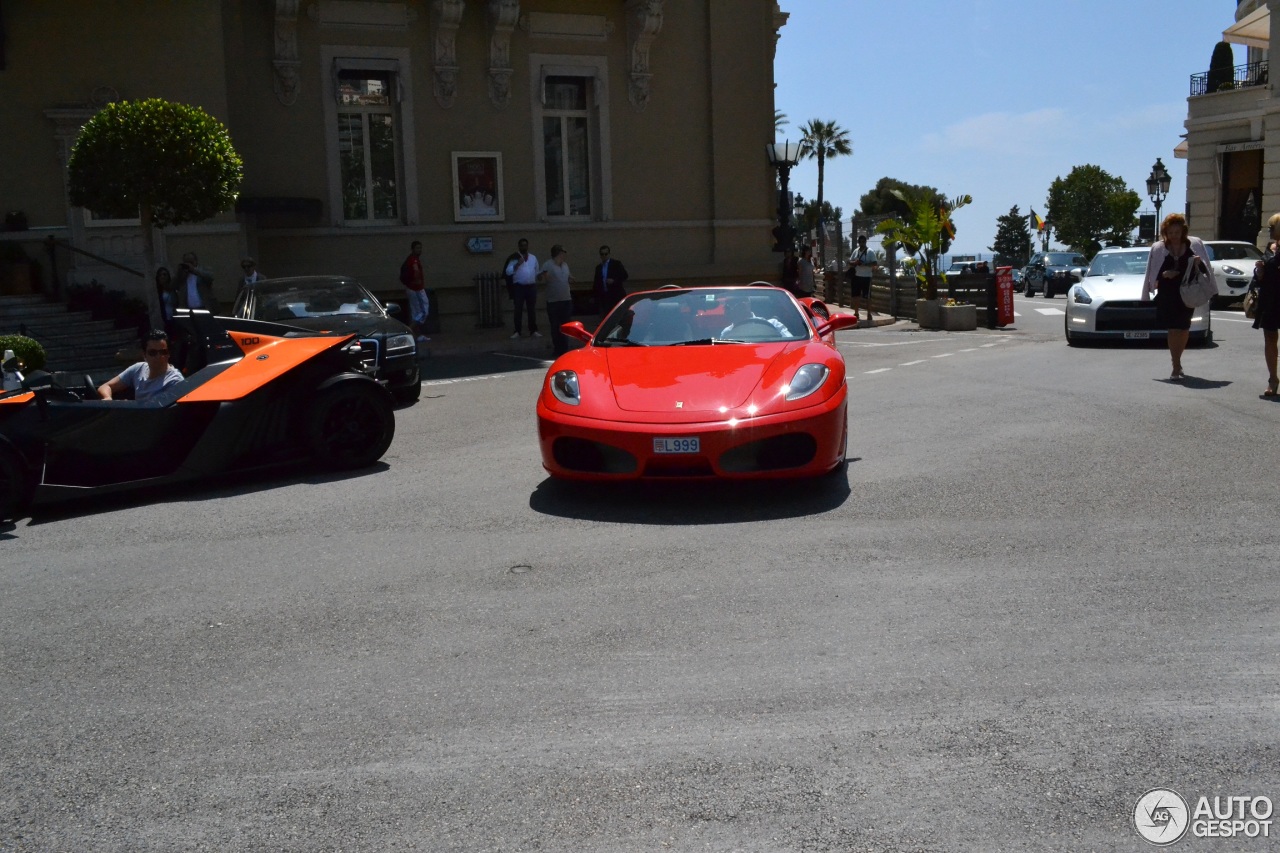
{"points": [[1242, 77]]}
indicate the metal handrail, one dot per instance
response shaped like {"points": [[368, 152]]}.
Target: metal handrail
{"points": [[1242, 77]]}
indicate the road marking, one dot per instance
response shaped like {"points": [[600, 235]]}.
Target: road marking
{"points": [[466, 379], [539, 359], [970, 349], [944, 355], [1050, 312], [984, 346], [909, 363], [1230, 320], [878, 370]]}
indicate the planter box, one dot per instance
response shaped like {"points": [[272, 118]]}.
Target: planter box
{"points": [[929, 313], [959, 318]]}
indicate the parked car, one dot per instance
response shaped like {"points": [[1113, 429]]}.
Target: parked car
{"points": [[1051, 273], [705, 382], [1232, 262], [343, 305], [1107, 303], [1018, 284], [962, 268], [263, 396]]}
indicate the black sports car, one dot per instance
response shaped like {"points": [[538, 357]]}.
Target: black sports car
{"points": [[265, 395], [343, 305]]}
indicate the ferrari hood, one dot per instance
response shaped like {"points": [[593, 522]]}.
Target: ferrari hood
{"points": [[689, 378], [1110, 288]]}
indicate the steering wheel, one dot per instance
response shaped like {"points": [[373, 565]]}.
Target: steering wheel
{"points": [[756, 323]]}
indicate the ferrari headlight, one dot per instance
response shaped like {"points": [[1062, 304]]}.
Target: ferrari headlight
{"points": [[564, 385], [1081, 296], [808, 379], [404, 341]]}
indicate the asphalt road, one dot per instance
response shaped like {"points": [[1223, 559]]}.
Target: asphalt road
{"points": [[1046, 585]]}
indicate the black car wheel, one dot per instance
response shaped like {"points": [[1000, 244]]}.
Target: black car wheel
{"points": [[350, 425], [15, 486]]}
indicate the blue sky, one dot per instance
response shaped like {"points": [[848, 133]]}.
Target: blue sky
{"points": [[994, 98]]}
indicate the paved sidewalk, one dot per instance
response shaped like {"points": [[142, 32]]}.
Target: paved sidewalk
{"points": [[499, 340]]}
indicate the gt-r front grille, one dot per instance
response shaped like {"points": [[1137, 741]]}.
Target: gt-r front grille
{"points": [[1127, 316], [793, 450]]}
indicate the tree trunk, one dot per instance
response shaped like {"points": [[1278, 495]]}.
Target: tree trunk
{"points": [[822, 226]]}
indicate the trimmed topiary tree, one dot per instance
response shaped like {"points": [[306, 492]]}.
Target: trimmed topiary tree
{"points": [[163, 162], [28, 351], [1222, 67]]}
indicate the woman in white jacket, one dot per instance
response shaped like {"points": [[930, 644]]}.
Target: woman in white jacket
{"points": [[1166, 266]]}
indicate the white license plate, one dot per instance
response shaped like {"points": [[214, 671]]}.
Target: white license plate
{"points": [[677, 445], [1137, 336]]}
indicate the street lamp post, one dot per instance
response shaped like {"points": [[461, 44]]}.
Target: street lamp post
{"points": [[1158, 187], [783, 156]]}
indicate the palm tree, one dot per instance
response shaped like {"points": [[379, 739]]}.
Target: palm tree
{"points": [[819, 140], [779, 121]]}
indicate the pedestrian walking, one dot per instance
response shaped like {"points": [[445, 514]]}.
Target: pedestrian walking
{"points": [[1267, 317], [555, 274], [521, 271], [790, 270], [194, 284], [610, 276], [863, 266], [1166, 267], [415, 289]]}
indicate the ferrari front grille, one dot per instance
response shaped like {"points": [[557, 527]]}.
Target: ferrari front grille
{"points": [[793, 450], [580, 454]]}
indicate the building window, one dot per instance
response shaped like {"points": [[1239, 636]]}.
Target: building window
{"points": [[571, 137], [566, 147], [367, 146], [368, 119]]}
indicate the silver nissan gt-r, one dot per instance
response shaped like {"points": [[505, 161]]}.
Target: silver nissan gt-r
{"points": [[1107, 303]]}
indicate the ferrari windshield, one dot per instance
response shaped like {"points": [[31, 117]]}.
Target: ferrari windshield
{"points": [[1130, 262], [293, 301], [704, 315]]}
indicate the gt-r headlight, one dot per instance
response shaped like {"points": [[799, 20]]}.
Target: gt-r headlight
{"points": [[1080, 295], [404, 341], [564, 385], [808, 379]]}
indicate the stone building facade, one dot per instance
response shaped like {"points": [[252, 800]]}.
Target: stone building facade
{"points": [[466, 124]]}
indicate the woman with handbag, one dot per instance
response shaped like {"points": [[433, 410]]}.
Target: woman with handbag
{"points": [[1169, 264], [1267, 312]]}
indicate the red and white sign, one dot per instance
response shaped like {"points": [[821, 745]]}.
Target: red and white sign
{"points": [[1004, 296]]}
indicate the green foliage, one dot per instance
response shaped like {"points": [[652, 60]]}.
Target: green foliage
{"points": [[1013, 239], [28, 351], [882, 199], [821, 140], [174, 159], [924, 230], [1090, 207], [1222, 72]]}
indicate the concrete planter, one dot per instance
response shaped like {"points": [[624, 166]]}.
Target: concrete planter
{"points": [[929, 313], [959, 318]]}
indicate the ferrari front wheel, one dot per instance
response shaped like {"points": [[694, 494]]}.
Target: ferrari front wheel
{"points": [[350, 425]]}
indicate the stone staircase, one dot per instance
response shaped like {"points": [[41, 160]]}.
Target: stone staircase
{"points": [[74, 343]]}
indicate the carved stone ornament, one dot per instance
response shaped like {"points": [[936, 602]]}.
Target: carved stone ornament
{"points": [[503, 17], [286, 64], [446, 16], [644, 22], [779, 21]]}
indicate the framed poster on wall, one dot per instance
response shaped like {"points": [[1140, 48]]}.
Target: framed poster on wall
{"points": [[477, 187]]}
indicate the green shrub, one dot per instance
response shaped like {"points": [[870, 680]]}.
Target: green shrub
{"points": [[28, 351], [1222, 72]]}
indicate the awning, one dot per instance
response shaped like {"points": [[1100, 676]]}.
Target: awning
{"points": [[1180, 150], [1254, 29]]}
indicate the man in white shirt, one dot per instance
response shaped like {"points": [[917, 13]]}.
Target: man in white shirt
{"points": [[194, 285], [522, 271], [738, 311]]}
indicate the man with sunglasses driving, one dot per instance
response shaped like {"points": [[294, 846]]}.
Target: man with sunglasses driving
{"points": [[147, 378]]}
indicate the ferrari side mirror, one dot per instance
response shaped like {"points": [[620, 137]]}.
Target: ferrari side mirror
{"points": [[576, 330], [838, 322]]}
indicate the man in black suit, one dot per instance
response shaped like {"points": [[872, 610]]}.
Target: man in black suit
{"points": [[610, 277]]}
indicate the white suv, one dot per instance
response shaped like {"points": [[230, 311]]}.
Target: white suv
{"points": [[1232, 262]]}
